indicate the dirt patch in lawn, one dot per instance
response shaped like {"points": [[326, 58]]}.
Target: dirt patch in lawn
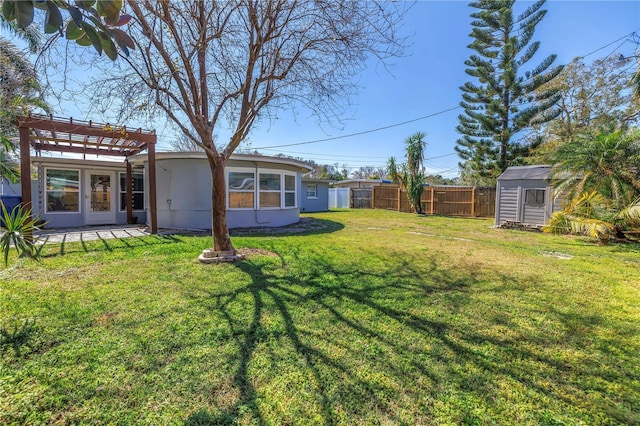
{"points": [[250, 252]]}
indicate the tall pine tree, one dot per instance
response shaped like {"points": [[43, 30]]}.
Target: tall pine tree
{"points": [[504, 100]]}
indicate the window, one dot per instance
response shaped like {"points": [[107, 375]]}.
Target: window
{"points": [[270, 190], [274, 189], [534, 197], [137, 186], [289, 190], [62, 190], [100, 194], [241, 190], [312, 191]]}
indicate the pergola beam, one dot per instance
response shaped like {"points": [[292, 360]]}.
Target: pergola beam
{"points": [[106, 131], [122, 143], [88, 150]]}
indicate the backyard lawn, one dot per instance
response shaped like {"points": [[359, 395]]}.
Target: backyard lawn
{"points": [[367, 317]]}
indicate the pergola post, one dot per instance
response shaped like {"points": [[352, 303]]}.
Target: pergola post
{"points": [[129, 194], [25, 170], [153, 210]]}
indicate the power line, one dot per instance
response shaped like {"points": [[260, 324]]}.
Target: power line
{"points": [[626, 36], [361, 133], [623, 39], [321, 154]]}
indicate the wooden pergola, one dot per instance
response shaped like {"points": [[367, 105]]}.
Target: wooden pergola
{"points": [[48, 133]]}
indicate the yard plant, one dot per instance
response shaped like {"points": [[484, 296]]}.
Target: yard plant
{"points": [[366, 317], [16, 231]]}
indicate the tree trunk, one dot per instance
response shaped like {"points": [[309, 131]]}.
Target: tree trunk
{"points": [[219, 228]]}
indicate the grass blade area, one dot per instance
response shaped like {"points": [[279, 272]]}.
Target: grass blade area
{"points": [[367, 317]]}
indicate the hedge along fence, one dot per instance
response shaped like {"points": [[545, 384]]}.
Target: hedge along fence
{"points": [[467, 201]]}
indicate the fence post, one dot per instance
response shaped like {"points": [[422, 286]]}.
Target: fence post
{"points": [[473, 202], [432, 201], [398, 197], [373, 197]]}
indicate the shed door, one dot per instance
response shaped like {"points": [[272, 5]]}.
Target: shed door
{"points": [[100, 198], [534, 207]]}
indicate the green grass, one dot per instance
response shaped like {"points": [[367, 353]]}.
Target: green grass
{"points": [[374, 317]]}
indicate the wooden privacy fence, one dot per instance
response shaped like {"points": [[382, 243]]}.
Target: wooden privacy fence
{"points": [[361, 198], [442, 200]]}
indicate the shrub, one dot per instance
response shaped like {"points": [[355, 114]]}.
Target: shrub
{"points": [[17, 229]]}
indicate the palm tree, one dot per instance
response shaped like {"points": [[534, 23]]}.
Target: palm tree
{"points": [[607, 163], [20, 91], [31, 35], [599, 176], [410, 175]]}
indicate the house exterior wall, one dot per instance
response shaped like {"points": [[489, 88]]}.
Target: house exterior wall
{"points": [[85, 168], [319, 203], [9, 188], [184, 193], [360, 183]]}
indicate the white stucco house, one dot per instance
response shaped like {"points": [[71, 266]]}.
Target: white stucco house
{"points": [[261, 190]]}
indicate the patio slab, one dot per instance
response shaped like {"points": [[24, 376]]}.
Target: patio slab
{"points": [[88, 233]]}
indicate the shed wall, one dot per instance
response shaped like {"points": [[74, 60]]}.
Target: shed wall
{"points": [[511, 202], [507, 202]]}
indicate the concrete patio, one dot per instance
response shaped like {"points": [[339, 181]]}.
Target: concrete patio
{"points": [[88, 233]]}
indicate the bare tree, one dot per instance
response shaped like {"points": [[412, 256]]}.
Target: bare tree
{"points": [[183, 144], [369, 172], [222, 66]]}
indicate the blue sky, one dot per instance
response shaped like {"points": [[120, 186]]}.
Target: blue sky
{"points": [[426, 81]]}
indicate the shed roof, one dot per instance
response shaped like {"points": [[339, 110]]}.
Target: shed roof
{"points": [[540, 172]]}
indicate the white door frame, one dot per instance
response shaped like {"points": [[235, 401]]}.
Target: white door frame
{"points": [[104, 217]]}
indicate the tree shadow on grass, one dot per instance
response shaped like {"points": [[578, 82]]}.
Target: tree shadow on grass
{"points": [[305, 226], [100, 244], [360, 335]]}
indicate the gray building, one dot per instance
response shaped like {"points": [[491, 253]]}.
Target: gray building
{"points": [[524, 195], [315, 195], [261, 191]]}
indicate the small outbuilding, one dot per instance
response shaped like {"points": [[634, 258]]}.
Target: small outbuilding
{"points": [[524, 195], [315, 195]]}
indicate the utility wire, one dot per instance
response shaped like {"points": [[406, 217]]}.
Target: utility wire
{"points": [[623, 39], [360, 133]]}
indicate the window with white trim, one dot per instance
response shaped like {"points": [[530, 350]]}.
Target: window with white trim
{"points": [[62, 190], [534, 197], [312, 190], [241, 186], [275, 189], [270, 190], [137, 186], [289, 190]]}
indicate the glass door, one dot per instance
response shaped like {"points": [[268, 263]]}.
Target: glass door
{"points": [[100, 198]]}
